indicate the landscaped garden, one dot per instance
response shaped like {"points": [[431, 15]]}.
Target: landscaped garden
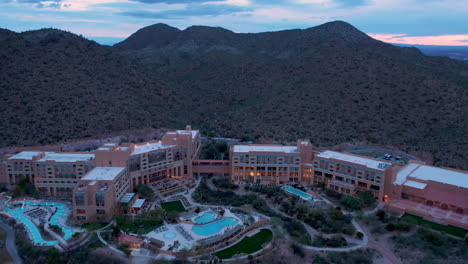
{"points": [[247, 245], [452, 230], [142, 223], [174, 206]]}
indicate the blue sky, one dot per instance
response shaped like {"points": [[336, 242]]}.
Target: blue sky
{"points": [[431, 22]]}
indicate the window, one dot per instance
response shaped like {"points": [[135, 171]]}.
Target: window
{"points": [[100, 199], [80, 198]]}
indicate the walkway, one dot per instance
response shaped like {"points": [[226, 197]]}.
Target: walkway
{"points": [[63, 242], [98, 232], [10, 243]]}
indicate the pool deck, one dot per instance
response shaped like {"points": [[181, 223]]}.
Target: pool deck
{"points": [[188, 227], [54, 211]]}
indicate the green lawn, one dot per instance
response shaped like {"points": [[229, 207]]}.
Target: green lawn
{"points": [[247, 245], [176, 206], [452, 230]]}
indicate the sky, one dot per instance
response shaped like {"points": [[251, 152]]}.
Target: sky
{"points": [[423, 22]]}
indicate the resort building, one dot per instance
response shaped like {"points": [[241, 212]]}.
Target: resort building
{"points": [[54, 174], [269, 164], [97, 194], [100, 183], [349, 174], [431, 192]]}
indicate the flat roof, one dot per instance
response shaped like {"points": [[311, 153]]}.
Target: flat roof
{"points": [[415, 184], [403, 173], [127, 197], [103, 148], [110, 144], [265, 148], [26, 155], [370, 163], [147, 147], [193, 132], [429, 173], [138, 203], [67, 157], [103, 173]]}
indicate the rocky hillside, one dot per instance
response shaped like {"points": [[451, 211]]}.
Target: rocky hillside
{"points": [[330, 83], [57, 86]]}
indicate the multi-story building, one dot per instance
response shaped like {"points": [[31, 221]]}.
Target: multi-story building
{"points": [[152, 161], [20, 166], [97, 182], [97, 194], [54, 174], [269, 164], [350, 174]]}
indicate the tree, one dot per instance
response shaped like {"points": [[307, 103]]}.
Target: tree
{"points": [[145, 191], [115, 231], [367, 199], [351, 203]]}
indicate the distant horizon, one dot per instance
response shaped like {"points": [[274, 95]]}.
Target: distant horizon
{"points": [[109, 40], [413, 22]]}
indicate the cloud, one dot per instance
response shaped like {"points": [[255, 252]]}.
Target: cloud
{"points": [[442, 40], [189, 11], [34, 1], [51, 5], [169, 1], [352, 3]]}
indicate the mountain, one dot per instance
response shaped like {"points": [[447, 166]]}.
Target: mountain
{"points": [[454, 52], [330, 83], [58, 86]]}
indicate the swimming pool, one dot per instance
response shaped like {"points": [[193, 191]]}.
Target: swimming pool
{"points": [[205, 218], [169, 235], [30, 226], [68, 232], [301, 194], [215, 227]]}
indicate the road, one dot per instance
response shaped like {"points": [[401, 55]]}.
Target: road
{"points": [[10, 243]]}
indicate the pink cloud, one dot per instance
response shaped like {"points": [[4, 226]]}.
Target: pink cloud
{"points": [[442, 40]]}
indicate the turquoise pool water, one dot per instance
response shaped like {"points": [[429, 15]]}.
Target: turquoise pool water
{"points": [[169, 235], [205, 218], [30, 226], [213, 228], [68, 232], [297, 192]]}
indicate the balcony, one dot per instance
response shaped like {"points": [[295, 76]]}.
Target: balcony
{"points": [[349, 186]]}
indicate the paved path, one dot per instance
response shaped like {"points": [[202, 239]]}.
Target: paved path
{"points": [[98, 232], [10, 243], [381, 248], [56, 236], [362, 243], [385, 252]]}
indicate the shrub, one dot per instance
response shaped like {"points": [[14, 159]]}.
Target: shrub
{"points": [[350, 203], [390, 227], [359, 235], [297, 250]]}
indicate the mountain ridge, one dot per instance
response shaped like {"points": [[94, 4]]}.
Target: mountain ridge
{"points": [[330, 83]]}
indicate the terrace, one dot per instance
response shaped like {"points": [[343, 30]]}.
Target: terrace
{"points": [[198, 229]]}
